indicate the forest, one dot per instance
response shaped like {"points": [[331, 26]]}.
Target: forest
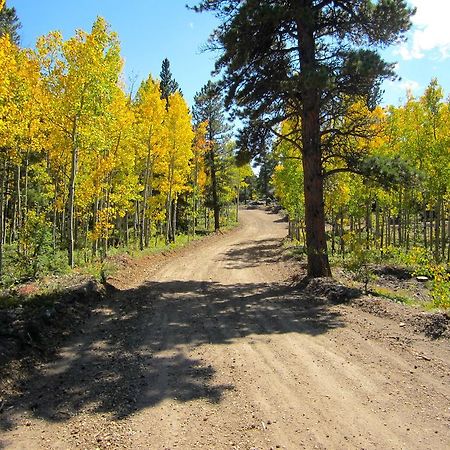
{"points": [[89, 167], [253, 257], [86, 167]]}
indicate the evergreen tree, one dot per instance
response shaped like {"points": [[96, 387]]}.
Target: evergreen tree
{"points": [[304, 60], [9, 23], [209, 107], [168, 85]]}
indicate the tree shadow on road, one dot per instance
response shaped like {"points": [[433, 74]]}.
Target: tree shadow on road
{"points": [[253, 253], [133, 353]]}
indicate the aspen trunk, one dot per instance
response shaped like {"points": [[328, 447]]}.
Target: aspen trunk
{"points": [[400, 217], [406, 229], [19, 206], [215, 196], [94, 225], [368, 224], [144, 238], [174, 218], [6, 204], [127, 230], [437, 229], [2, 215], [136, 221], [333, 231], [25, 187], [424, 224], [448, 234], [341, 235], [71, 200], [388, 229], [415, 226], [443, 231], [431, 233], [377, 226], [55, 216], [169, 231]]}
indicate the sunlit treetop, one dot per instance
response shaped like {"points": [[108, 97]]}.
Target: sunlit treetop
{"points": [[9, 22]]}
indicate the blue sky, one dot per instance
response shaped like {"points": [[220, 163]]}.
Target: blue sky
{"points": [[425, 55], [151, 30]]}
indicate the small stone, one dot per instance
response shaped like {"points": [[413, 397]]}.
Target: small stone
{"points": [[401, 324], [422, 278]]}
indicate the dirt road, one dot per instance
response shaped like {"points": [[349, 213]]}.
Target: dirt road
{"points": [[212, 349]]}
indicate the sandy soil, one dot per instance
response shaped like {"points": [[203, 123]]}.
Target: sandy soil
{"points": [[212, 348]]}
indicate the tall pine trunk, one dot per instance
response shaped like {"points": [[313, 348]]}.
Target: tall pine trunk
{"points": [[318, 264]]}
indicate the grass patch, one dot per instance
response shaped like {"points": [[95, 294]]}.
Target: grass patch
{"points": [[402, 297], [294, 249]]}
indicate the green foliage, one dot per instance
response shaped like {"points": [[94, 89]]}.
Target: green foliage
{"points": [[416, 260], [19, 269], [168, 85], [288, 177], [36, 257], [219, 159], [389, 171], [440, 291], [9, 23], [361, 258]]}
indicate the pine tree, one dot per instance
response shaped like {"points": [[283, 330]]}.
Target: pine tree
{"points": [[209, 107], [9, 23], [304, 60], [168, 85]]}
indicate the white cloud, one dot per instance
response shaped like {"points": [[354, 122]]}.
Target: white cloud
{"points": [[404, 85], [409, 85], [397, 91], [191, 25], [430, 30]]}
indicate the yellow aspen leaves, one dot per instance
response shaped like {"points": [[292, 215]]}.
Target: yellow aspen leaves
{"points": [[94, 165]]}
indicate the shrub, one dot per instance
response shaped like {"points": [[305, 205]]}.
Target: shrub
{"points": [[360, 260]]}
